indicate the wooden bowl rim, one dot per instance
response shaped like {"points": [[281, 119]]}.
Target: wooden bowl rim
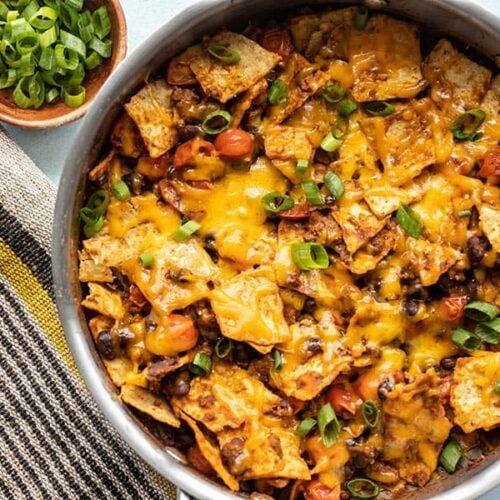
{"points": [[71, 115]]}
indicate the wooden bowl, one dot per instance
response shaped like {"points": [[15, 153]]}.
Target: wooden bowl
{"points": [[57, 114]]}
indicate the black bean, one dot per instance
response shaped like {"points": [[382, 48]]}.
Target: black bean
{"points": [[385, 387], [410, 307], [476, 248], [448, 363], [314, 346], [105, 345], [309, 305], [189, 132], [178, 385]]}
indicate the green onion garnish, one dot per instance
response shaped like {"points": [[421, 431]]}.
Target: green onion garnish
{"points": [[346, 107], [451, 455], [481, 311], [278, 362], [489, 331], [102, 24], [379, 108], [409, 221], [371, 413], [329, 427], [362, 488], [94, 227], [312, 192], [334, 184], [201, 364], [330, 143], [305, 427], [277, 202], [465, 340], [216, 122], [465, 127], [92, 214], [361, 18], [464, 213], [497, 387], [147, 259], [120, 190], [309, 256], [340, 128], [333, 93], [74, 95], [278, 92], [98, 201], [223, 347], [301, 167], [225, 55], [187, 229]]}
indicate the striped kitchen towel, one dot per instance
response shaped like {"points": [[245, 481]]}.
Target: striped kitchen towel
{"points": [[54, 441]]}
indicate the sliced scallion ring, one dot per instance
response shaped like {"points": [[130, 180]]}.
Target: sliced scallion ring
{"points": [[277, 360], [362, 488], [278, 92], [277, 202], [309, 256], [340, 127], [306, 426], [409, 221], [102, 24], [51, 95], [451, 455], [147, 259], [465, 127], [301, 167], [74, 96], [330, 143], [334, 184], [98, 201], [86, 28], [497, 387], [333, 93], [223, 347], [185, 231], [74, 43], [379, 108], [371, 413], [361, 18], [90, 230], [201, 364], [68, 16], [464, 339], [27, 42], [328, 425], [312, 192], [120, 190], [346, 107], [225, 55], [66, 58], [216, 122], [93, 60], [489, 331], [8, 78], [48, 37], [47, 59], [479, 310], [102, 47], [44, 18], [464, 214]]}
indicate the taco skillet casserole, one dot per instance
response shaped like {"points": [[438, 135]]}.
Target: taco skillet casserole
{"points": [[290, 256]]}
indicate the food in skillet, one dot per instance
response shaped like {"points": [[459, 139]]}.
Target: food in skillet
{"points": [[291, 257]]}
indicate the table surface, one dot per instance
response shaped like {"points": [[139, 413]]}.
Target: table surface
{"points": [[48, 148]]}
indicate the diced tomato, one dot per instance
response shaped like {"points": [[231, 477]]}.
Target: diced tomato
{"points": [[297, 212], [277, 40], [316, 490], [490, 168], [196, 458], [452, 308], [185, 155], [179, 73], [154, 168], [137, 298], [234, 144], [200, 184], [126, 137], [343, 399], [174, 334]]}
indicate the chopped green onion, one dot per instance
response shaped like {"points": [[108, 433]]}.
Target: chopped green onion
{"points": [[30, 9], [56, 77], [312, 192], [346, 107], [451, 455], [76, 77], [102, 47], [201, 364], [44, 18], [98, 202], [187, 229], [371, 413], [278, 92], [86, 28], [409, 221], [489, 331], [301, 167], [93, 60], [481, 311], [27, 66], [330, 143], [464, 213], [90, 229], [277, 202], [329, 427], [379, 108], [76, 4], [309, 256], [497, 387], [73, 42], [66, 58], [120, 190], [305, 427], [147, 259], [465, 127], [223, 347], [277, 360], [12, 15], [361, 18], [465, 340], [334, 184], [333, 93], [8, 78], [102, 24], [27, 42], [362, 488], [340, 128], [225, 55], [51, 95], [48, 37], [74, 96], [216, 122], [68, 16]]}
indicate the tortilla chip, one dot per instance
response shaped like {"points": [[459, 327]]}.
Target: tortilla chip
{"points": [[473, 396], [248, 308], [90, 271], [413, 444], [457, 83], [285, 142], [212, 453], [385, 60], [104, 301], [225, 81], [385, 200], [489, 222], [156, 119], [245, 102], [305, 376], [149, 403]]}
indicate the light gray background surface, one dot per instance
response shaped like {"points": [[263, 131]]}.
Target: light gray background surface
{"points": [[48, 148]]}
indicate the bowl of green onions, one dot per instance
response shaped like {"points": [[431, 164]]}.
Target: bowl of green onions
{"points": [[54, 57]]}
